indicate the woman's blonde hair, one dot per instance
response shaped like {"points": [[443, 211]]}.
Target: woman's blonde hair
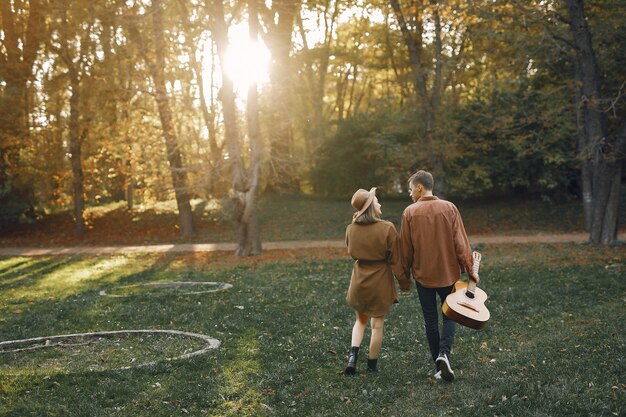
{"points": [[369, 216]]}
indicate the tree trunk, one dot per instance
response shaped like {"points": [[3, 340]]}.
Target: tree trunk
{"points": [[585, 161], [229, 110], [432, 125], [179, 175], [244, 182], [227, 97], [414, 45], [427, 103], [76, 143], [279, 34], [319, 127], [16, 68], [249, 241], [208, 112], [157, 71], [602, 157]]}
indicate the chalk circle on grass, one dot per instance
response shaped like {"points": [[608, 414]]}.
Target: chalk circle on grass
{"points": [[101, 351], [201, 288]]}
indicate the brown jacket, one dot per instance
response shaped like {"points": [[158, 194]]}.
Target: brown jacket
{"points": [[435, 248], [376, 249]]}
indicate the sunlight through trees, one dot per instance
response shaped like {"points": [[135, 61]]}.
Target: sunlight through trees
{"points": [[150, 100]]}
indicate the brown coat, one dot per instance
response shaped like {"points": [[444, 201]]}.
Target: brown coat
{"points": [[435, 248], [375, 247]]}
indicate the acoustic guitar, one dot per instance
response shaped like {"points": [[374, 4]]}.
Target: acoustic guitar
{"points": [[466, 302]]}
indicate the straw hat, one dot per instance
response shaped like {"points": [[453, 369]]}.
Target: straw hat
{"points": [[361, 200]]}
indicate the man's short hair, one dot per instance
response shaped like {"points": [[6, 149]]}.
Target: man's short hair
{"points": [[424, 178]]}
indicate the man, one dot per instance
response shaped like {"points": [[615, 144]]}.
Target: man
{"points": [[435, 249]]}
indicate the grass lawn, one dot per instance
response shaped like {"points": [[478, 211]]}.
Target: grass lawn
{"points": [[285, 218], [554, 346]]}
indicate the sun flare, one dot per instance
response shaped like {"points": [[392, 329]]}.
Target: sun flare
{"points": [[246, 61]]}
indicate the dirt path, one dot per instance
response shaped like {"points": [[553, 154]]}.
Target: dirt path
{"points": [[284, 245]]}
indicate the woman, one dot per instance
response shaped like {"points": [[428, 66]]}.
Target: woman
{"points": [[374, 245]]}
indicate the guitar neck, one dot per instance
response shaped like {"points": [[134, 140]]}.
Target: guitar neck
{"points": [[471, 286]]}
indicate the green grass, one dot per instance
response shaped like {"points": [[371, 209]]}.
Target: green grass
{"points": [[300, 217], [285, 218], [554, 345]]}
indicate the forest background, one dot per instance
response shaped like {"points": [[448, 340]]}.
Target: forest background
{"points": [[210, 100]]}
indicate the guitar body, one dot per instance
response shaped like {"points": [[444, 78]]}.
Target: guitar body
{"points": [[469, 312]]}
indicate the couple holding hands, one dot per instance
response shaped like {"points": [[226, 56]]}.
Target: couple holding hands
{"points": [[432, 247]]}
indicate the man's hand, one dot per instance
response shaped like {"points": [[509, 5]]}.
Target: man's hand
{"points": [[406, 285], [475, 278]]}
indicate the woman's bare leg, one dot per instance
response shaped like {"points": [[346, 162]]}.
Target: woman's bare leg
{"points": [[359, 329], [376, 340], [357, 337]]}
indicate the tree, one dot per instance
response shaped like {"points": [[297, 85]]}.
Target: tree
{"points": [[156, 66], [315, 62], [249, 235], [602, 154], [428, 102], [23, 33], [196, 22], [279, 21], [73, 43], [245, 181]]}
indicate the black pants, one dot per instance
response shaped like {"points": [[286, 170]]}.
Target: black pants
{"points": [[428, 299]]}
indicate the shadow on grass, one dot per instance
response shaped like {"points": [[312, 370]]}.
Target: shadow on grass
{"points": [[13, 275], [114, 392], [179, 387], [552, 348]]}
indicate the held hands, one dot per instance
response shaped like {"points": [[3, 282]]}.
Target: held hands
{"points": [[405, 285]]}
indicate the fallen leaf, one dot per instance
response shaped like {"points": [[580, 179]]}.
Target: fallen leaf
{"points": [[267, 391], [332, 352], [442, 398], [19, 312]]}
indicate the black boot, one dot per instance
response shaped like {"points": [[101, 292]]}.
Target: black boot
{"points": [[351, 367], [371, 365]]}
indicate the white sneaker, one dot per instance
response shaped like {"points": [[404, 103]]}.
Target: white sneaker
{"points": [[447, 374], [435, 374]]}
